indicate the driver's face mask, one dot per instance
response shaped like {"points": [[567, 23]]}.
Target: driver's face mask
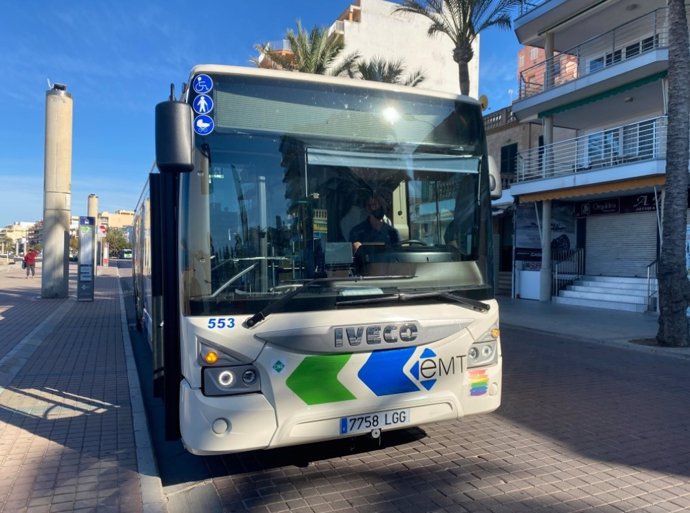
{"points": [[378, 213]]}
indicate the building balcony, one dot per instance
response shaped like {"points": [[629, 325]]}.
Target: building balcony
{"points": [[637, 37], [529, 5], [338, 27], [569, 22], [631, 54], [499, 120], [610, 155]]}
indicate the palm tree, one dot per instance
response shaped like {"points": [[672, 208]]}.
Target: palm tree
{"points": [[380, 70], [461, 21], [310, 52], [674, 288]]}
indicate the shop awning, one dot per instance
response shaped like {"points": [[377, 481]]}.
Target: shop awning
{"points": [[599, 188]]}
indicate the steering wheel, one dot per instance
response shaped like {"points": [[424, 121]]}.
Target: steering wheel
{"points": [[412, 242]]}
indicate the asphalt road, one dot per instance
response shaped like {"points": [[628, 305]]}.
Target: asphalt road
{"points": [[582, 427]]}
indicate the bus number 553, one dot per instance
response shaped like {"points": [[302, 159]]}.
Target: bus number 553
{"points": [[221, 322]]}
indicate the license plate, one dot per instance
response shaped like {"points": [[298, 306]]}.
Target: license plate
{"points": [[371, 421]]}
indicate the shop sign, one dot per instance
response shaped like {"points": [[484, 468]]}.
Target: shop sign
{"points": [[622, 205]]}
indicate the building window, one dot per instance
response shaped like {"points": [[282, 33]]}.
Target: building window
{"points": [[596, 64], [534, 53], [613, 58], [509, 159]]}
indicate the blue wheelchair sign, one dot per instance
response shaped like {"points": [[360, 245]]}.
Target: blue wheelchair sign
{"points": [[202, 84], [203, 125], [202, 104]]}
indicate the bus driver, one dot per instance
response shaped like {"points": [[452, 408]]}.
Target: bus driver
{"points": [[374, 229]]}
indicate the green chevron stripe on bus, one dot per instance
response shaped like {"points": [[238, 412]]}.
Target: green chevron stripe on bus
{"points": [[315, 380]]}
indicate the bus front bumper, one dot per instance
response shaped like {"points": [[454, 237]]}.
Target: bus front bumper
{"points": [[216, 425]]}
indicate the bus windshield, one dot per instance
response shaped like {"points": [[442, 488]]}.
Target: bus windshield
{"points": [[303, 180]]}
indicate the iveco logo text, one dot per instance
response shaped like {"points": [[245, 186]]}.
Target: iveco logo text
{"points": [[375, 334]]}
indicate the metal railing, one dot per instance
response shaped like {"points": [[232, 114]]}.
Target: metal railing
{"points": [[279, 45], [568, 266], [629, 40], [621, 145], [529, 5], [652, 286]]}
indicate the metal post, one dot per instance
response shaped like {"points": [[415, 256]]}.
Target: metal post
{"points": [[57, 192], [545, 275], [92, 211]]}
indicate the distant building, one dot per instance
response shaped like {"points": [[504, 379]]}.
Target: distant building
{"points": [[118, 219], [17, 235], [532, 67]]}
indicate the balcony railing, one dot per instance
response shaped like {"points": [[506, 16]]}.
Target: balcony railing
{"points": [[528, 5], [279, 45], [500, 119], [637, 142], [634, 38], [338, 27]]}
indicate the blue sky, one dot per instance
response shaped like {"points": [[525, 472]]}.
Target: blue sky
{"points": [[118, 60]]}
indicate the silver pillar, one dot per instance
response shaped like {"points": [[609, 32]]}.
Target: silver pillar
{"points": [[92, 211], [545, 275], [57, 188]]}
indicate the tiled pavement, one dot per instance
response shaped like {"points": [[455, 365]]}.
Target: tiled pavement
{"points": [[69, 426]]}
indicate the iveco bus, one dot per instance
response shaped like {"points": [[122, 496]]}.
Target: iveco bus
{"points": [[269, 327]]}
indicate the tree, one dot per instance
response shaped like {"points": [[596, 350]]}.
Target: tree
{"points": [[461, 21], [310, 52], [391, 72], [116, 241], [674, 288]]}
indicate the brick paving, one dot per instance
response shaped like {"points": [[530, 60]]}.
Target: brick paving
{"points": [[67, 441], [583, 428]]}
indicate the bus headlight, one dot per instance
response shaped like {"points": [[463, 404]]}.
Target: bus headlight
{"points": [[239, 379], [226, 379], [482, 354]]}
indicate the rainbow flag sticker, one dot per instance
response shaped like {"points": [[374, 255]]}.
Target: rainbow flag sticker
{"points": [[479, 382]]}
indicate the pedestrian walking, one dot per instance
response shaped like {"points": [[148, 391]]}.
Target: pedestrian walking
{"points": [[30, 262]]}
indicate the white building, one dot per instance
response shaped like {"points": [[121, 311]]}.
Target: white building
{"points": [[372, 28], [588, 202]]}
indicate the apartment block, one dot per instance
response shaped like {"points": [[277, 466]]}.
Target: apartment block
{"points": [[589, 193]]}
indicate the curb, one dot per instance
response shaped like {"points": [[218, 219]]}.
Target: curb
{"points": [[149, 477]]}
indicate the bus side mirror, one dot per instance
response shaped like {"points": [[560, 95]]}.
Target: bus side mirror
{"points": [[494, 179], [174, 137]]}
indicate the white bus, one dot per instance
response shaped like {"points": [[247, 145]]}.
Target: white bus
{"points": [[285, 307]]}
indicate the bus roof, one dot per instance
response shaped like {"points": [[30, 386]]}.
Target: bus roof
{"points": [[324, 79]]}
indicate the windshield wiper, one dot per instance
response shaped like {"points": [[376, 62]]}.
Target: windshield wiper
{"points": [[272, 307], [473, 304]]}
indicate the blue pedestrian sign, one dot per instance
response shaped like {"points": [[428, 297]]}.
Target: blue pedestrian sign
{"points": [[202, 84], [203, 125], [202, 104]]}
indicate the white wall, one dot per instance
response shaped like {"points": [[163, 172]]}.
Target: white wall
{"points": [[381, 33]]}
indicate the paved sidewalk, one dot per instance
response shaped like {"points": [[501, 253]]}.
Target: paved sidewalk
{"points": [[71, 415], [610, 327]]}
